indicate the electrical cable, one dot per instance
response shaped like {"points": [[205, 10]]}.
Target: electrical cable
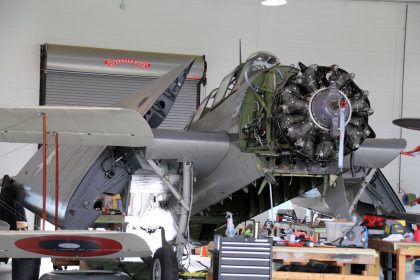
{"points": [[402, 93], [341, 241], [288, 142], [12, 211], [342, 237], [205, 266]]}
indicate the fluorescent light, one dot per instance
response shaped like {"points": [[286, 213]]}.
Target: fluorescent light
{"points": [[273, 2]]}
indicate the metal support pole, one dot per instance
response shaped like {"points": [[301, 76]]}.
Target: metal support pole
{"points": [[362, 188], [187, 182], [172, 189], [271, 202], [56, 180], [325, 187], [44, 169]]}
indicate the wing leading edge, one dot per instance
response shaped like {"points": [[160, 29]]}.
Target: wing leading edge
{"points": [[76, 125], [155, 100], [126, 124]]}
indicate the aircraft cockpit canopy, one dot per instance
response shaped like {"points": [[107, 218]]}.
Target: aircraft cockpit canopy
{"points": [[229, 84], [263, 58]]}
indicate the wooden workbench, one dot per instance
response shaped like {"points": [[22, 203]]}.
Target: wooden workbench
{"points": [[393, 256], [390, 247], [111, 222], [342, 257]]}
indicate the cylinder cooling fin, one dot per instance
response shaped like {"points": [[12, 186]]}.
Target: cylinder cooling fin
{"points": [[307, 112]]}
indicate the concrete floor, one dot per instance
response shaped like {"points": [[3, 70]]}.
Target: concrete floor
{"points": [[412, 275], [6, 272]]}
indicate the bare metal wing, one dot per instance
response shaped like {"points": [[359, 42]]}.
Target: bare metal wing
{"points": [[84, 173], [76, 125], [72, 244], [377, 153], [155, 100], [126, 124]]}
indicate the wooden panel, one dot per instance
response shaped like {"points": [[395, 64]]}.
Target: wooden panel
{"points": [[277, 275], [411, 251], [110, 219], [345, 269], [402, 249], [341, 255], [401, 260], [391, 247], [374, 270], [381, 246]]}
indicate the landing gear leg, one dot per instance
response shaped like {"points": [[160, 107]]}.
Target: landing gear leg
{"points": [[187, 182], [184, 199]]}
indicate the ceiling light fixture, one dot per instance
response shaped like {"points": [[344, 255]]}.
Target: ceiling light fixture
{"points": [[273, 2]]}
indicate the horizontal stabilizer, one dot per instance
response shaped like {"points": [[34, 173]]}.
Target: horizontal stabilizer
{"points": [[75, 125], [71, 244]]}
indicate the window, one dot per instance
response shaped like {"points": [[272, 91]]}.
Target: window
{"points": [[200, 110], [223, 88]]}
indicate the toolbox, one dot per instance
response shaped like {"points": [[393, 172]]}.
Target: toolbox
{"points": [[240, 257]]}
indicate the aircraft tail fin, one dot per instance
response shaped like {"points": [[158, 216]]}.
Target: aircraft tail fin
{"points": [[154, 100]]}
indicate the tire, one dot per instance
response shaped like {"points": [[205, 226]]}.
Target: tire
{"points": [[164, 264], [25, 269]]}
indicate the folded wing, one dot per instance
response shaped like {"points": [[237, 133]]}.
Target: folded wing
{"points": [[72, 244], [75, 125]]}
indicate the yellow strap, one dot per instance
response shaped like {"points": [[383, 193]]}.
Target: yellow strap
{"points": [[194, 274]]}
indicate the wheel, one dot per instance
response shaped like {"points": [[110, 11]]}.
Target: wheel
{"points": [[164, 265], [26, 269]]}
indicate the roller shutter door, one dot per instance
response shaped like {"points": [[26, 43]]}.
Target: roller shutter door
{"points": [[80, 89]]}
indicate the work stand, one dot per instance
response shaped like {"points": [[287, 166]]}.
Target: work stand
{"points": [[393, 256]]}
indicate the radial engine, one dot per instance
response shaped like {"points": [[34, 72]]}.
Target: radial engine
{"points": [[308, 112], [299, 132]]}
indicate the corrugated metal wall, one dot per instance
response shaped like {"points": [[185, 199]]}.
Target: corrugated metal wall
{"points": [[80, 89]]}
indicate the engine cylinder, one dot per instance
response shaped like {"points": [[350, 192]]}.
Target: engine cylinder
{"points": [[308, 109]]}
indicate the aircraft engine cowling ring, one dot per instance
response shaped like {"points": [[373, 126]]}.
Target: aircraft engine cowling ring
{"points": [[308, 110]]}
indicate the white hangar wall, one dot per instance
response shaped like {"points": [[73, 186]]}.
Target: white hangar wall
{"points": [[410, 170], [363, 37]]}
